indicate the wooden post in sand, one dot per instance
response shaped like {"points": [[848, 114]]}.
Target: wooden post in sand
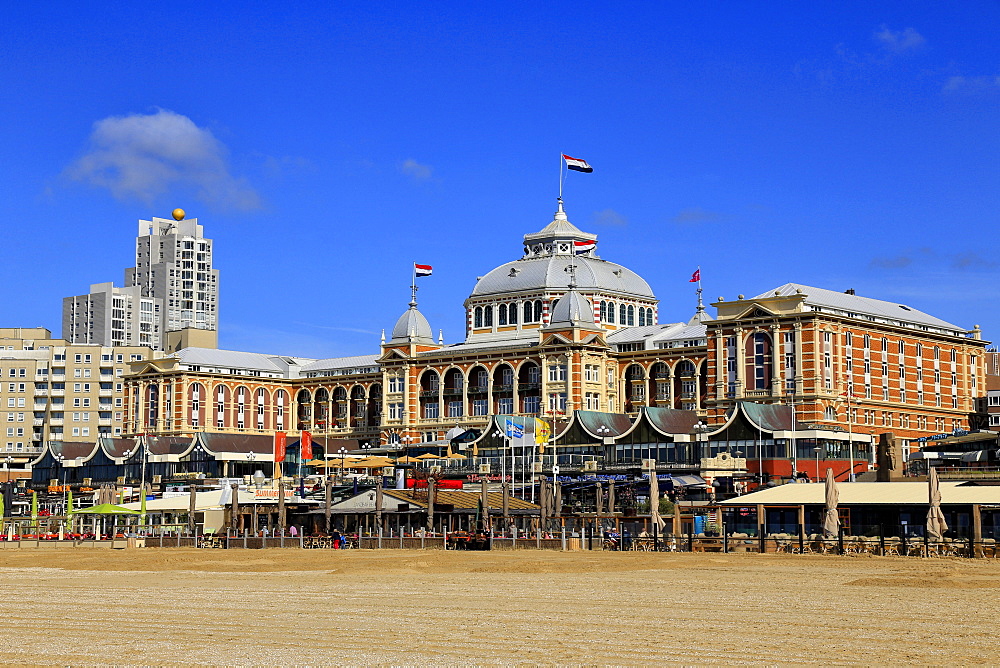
{"points": [[977, 531]]}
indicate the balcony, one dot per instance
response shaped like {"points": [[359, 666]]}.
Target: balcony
{"points": [[688, 395], [757, 393], [527, 387], [58, 376], [478, 389], [106, 422], [498, 389], [428, 393], [58, 393], [452, 391], [41, 391], [38, 422], [40, 407], [105, 393], [55, 422], [107, 377]]}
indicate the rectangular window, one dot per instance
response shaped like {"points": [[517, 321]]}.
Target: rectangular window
{"points": [[431, 410], [557, 401], [505, 405], [557, 373], [532, 404], [480, 407]]}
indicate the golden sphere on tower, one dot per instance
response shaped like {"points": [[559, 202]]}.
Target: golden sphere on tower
{"points": [[178, 214]]}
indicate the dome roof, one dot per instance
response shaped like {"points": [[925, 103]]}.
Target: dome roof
{"points": [[549, 272], [572, 309], [413, 327]]}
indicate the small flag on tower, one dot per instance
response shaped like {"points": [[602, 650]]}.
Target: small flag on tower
{"points": [[577, 165], [696, 276], [582, 247], [422, 269]]}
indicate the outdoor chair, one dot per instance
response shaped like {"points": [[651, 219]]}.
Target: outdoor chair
{"points": [[852, 544], [989, 547], [893, 546]]}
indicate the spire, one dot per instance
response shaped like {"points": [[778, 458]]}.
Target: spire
{"points": [[383, 336], [441, 337], [560, 213]]}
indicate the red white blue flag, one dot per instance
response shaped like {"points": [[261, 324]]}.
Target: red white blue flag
{"points": [[577, 165], [422, 269], [582, 247]]}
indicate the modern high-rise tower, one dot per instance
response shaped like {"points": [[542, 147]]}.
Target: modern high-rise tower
{"points": [[170, 298]]}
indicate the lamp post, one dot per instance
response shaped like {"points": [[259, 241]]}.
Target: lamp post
{"points": [[6, 466], [817, 450], [250, 457], [503, 460], [343, 458], [791, 402]]}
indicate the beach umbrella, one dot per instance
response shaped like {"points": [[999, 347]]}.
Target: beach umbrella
{"points": [[105, 509], [936, 525], [142, 506], [1, 511], [654, 502], [831, 520], [557, 501], [543, 501], [611, 497], [69, 510], [378, 502], [506, 499], [34, 505], [599, 496], [484, 499], [431, 497]]}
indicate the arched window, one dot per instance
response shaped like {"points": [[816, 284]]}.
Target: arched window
{"points": [[528, 308], [538, 310], [611, 312], [631, 316], [487, 316], [622, 314], [477, 319], [649, 317], [642, 317], [502, 314], [512, 314], [604, 310]]}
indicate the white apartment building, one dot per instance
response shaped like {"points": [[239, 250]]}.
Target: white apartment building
{"points": [[172, 287], [52, 390]]}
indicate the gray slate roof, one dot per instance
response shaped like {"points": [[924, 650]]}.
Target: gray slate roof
{"points": [[236, 359], [340, 363], [862, 305]]}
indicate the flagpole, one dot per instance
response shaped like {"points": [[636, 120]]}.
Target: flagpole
{"points": [[562, 164], [413, 286], [701, 305]]}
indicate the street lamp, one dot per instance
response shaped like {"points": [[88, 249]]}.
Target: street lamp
{"points": [[250, 457], [343, 457], [6, 466], [259, 478], [817, 450]]}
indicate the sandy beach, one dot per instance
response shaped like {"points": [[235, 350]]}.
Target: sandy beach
{"points": [[294, 607]]}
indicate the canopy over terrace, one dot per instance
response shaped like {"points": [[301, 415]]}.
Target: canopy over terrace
{"points": [[896, 508], [776, 444]]}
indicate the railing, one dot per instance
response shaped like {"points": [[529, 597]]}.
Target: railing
{"points": [[478, 389], [968, 473], [428, 393]]}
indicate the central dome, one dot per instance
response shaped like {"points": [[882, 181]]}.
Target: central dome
{"points": [[514, 300], [550, 273]]}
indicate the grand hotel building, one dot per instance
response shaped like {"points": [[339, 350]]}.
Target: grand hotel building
{"points": [[557, 334]]}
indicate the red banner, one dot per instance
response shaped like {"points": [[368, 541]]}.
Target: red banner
{"points": [[306, 442], [279, 446]]}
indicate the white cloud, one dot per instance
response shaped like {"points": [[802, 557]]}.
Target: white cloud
{"points": [[980, 83], [900, 41], [144, 156], [696, 214], [418, 171], [610, 217]]}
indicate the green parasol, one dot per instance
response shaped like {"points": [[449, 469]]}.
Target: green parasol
{"points": [[105, 509], [142, 506], [34, 505], [69, 510]]}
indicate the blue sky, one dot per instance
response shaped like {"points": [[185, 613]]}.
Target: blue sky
{"points": [[325, 148]]}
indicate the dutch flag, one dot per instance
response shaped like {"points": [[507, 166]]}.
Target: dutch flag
{"points": [[577, 165], [582, 247], [422, 269]]}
